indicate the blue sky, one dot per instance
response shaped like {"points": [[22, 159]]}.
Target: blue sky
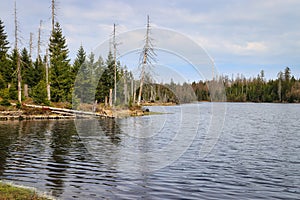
{"points": [[242, 36]]}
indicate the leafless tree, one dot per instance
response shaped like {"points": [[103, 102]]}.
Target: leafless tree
{"points": [[18, 57], [146, 58]]}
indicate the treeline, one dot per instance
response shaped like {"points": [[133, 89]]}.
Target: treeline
{"points": [[286, 88], [56, 79], [90, 80], [53, 78]]}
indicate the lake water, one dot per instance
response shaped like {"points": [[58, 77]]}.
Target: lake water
{"points": [[195, 151]]}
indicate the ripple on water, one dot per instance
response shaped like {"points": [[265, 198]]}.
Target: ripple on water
{"points": [[256, 157]]}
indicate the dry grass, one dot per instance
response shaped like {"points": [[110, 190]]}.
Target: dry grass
{"points": [[35, 111]]}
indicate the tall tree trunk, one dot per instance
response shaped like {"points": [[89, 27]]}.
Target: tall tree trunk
{"points": [[115, 64], [47, 78], [146, 56], [18, 57], [125, 91], [110, 98]]}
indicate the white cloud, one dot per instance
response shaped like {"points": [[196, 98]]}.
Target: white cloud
{"points": [[233, 30], [249, 48]]}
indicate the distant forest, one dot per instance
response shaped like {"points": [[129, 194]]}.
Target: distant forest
{"points": [[55, 71], [257, 89]]}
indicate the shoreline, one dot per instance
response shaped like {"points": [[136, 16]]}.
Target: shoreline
{"points": [[36, 112]]}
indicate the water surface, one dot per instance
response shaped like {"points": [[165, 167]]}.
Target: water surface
{"points": [[257, 155]]}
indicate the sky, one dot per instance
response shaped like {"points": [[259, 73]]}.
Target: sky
{"points": [[240, 36]]}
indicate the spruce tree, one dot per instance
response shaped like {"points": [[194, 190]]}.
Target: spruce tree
{"points": [[11, 70], [106, 81], [60, 70], [3, 41], [38, 73], [27, 68], [82, 75], [38, 83], [79, 60], [5, 67]]}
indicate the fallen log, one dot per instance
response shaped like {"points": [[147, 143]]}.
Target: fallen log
{"points": [[70, 112]]}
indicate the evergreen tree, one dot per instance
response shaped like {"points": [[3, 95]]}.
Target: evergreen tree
{"points": [[2, 82], [38, 73], [5, 67], [99, 69], [39, 93], [3, 41], [106, 81], [79, 60], [60, 71], [11, 75], [83, 84], [27, 67]]}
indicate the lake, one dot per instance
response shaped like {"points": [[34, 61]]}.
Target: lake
{"points": [[193, 151]]}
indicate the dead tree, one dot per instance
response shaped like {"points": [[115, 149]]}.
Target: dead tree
{"points": [[53, 15], [126, 92], [30, 44], [115, 64], [147, 56], [47, 77], [53, 9], [39, 40], [18, 57]]}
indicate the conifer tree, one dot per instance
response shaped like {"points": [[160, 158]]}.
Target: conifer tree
{"points": [[38, 73], [3, 40], [106, 81], [82, 76], [28, 71], [38, 82], [5, 67], [60, 70], [10, 75], [79, 60]]}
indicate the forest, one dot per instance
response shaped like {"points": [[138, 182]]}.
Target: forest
{"points": [[89, 79], [286, 88]]}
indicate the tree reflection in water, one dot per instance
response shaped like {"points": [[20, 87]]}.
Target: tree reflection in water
{"points": [[111, 129]]}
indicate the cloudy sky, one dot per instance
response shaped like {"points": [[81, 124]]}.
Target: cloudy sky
{"points": [[241, 36]]}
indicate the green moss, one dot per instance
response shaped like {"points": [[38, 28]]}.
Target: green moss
{"points": [[11, 192]]}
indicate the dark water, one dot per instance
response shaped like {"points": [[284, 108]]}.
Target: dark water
{"points": [[256, 155]]}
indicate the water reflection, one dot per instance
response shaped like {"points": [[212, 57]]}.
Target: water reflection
{"points": [[31, 147], [58, 163], [111, 129], [8, 136], [249, 162]]}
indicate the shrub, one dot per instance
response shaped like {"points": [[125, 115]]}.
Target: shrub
{"points": [[5, 102]]}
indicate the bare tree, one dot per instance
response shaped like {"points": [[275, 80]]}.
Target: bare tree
{"points": [[147, 56], [30, 44], [47, 77], [39, 40], [18, 57], [53, 15], [115, 63], [53, 9]]}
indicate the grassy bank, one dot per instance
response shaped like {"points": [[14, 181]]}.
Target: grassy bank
{"points": [[13, 192]]}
